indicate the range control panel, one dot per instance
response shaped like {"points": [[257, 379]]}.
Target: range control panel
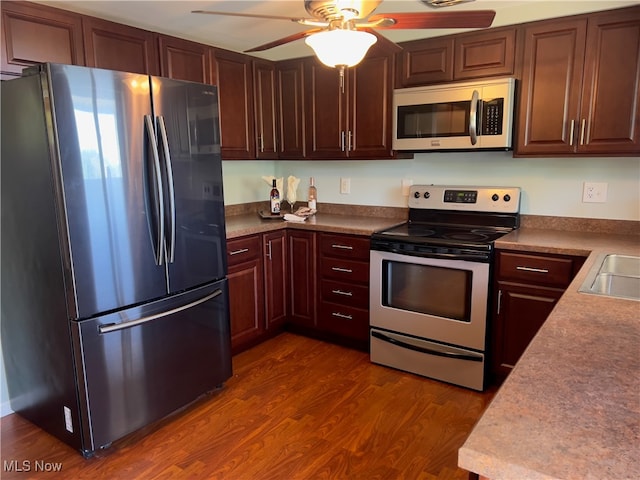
{"points": [[465, 198]]}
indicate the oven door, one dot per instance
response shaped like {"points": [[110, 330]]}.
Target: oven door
{"points": [[437, 299]]}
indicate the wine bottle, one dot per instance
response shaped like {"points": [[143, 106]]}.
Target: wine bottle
{"points": [[313, 194], [274, 197]]}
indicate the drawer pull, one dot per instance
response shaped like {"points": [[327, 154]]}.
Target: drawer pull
{"points": [[340, 269], [236, 252], [342, 315], [531, 269], [343, 247], [340, 292]]}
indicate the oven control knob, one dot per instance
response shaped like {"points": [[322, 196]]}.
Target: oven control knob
{"points": [[416, 195], [426, 195], [507, 197], [495, 197]]}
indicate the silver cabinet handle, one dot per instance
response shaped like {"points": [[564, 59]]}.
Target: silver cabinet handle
{"points": [[350, 141], [340, 269], [573, 124], [473, 113], [236, 252], [342, 140], [343, 247], [269, 249], [582, 131], [342, 315], [499, 302], [531, 269], [340, 292], [112, 327]]}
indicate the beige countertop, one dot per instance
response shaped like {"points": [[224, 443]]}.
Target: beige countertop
{"points": [[251, 223], [571, 406]]}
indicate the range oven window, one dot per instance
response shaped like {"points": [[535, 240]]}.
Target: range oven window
{"points": [[432, 120], [439, 291]]}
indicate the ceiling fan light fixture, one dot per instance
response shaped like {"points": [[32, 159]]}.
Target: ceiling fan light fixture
{"points": [[340, 47]]}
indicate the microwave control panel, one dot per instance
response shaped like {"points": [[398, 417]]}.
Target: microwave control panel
{"points": [[492, 112]]}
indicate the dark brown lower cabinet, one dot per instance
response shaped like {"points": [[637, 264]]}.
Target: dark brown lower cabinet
{"points": [[276, 278], [526, 289], [302, 253]]}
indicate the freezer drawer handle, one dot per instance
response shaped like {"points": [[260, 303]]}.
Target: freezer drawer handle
{"points": [[459, 356], [113, 327]]}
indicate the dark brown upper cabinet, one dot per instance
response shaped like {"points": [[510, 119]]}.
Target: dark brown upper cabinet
{"points": [[34, 34], [482, 53], [425, 61], [266, 119], [290, 108], [235, 89], [579, 92], [119, 47], [184, 60], [487, 53], [350, 116]]}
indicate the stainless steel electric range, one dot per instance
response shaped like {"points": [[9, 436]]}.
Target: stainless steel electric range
{"points": [[430, 281]]}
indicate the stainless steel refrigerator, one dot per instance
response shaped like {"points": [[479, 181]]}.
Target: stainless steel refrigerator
{"points": [[114, 291]]}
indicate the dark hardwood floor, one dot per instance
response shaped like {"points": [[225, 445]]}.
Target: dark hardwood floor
{"points": [[295, 408]]}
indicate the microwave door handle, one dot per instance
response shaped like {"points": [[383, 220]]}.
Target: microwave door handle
{"points": [[473, 117]]}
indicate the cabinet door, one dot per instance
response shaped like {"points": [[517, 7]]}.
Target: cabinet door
{"points": [[522, 309], [290, 92], [236, 105], [485, 54], [610, 115], [370, 98], [425, 61], [275, 278], [550, 88], [184, 60], [114, 46], [302, 277], [246, 291], [33, 34], [325, 112], [264, 94]]}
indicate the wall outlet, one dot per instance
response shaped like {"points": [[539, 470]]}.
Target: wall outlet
{"points": [[345, 185], [594, 192]]}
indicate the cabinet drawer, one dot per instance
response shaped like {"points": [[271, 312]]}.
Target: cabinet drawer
{"points": [[343, 320], [345, 246], [344, 270], [543, 270], [345, 294], [243, 249]]}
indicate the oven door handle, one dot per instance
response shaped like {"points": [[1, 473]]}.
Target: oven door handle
{"points": [[415, 348]]}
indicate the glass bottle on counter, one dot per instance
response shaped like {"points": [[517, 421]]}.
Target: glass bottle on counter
{"points": [[274, 198], [313, 194]]}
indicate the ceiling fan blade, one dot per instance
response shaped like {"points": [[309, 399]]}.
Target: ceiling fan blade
{"points": [[249, 15], [282, 41], [408, 21]]}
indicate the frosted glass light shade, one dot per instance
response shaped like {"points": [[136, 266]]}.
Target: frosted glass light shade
{"points": [[341, 47]]}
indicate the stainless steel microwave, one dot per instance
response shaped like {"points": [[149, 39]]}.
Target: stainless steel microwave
{"points": [[458, 116]]}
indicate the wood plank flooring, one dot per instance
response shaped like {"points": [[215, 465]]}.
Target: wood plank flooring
{"points": [[295, 408]]}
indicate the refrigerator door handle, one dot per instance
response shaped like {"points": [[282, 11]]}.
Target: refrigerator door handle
{"points": [[172, 197], [114, 327], [148, 121]]}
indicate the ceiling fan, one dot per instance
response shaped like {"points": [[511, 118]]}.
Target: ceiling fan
{"points": [[344, 29]]}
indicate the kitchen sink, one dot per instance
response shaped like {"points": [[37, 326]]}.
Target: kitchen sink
{"points": [[614, 275]]}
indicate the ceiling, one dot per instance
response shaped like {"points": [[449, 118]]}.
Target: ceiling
{"points": [[240, 34]]}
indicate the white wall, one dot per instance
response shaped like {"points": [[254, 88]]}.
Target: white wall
{"points": [[550, 186]]}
